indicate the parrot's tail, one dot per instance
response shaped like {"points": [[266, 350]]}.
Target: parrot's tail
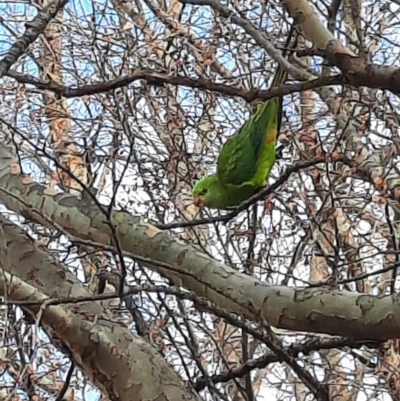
{"points": [[281, 74]]}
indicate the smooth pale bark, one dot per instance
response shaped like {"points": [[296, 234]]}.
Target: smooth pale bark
{"points": [[357, 69], [119, 363], [316, 310]]}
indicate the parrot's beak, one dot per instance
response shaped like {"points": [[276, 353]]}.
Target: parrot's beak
{"points": [[199, 202]]}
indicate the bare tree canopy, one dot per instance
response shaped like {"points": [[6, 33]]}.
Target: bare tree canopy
{"points": [[114, 285]]}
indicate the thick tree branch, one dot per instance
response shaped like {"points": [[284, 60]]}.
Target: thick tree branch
{"points": [[358, 70], [280, 353], [121, 358], [322, 310], [33, 30]]}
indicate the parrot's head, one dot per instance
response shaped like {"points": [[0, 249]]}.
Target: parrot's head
{"points": [[209, 192]]}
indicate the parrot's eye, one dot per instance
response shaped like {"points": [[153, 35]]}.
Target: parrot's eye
{"points": [[203, 192]]}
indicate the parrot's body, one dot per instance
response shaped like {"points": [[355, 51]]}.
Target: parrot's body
{"points": [[246, 158]]}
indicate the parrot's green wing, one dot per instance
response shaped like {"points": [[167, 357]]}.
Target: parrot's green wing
{"points": [[237, 160], [247, 157], [243, 154]]}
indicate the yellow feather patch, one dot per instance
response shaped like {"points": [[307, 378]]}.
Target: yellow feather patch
{"points": [[270, 137]]}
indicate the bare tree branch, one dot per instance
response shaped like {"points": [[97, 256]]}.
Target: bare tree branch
{"points": [[33, 30], [159, 79]]}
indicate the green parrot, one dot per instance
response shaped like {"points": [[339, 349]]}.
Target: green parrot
{"points": [[246, 158]]}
